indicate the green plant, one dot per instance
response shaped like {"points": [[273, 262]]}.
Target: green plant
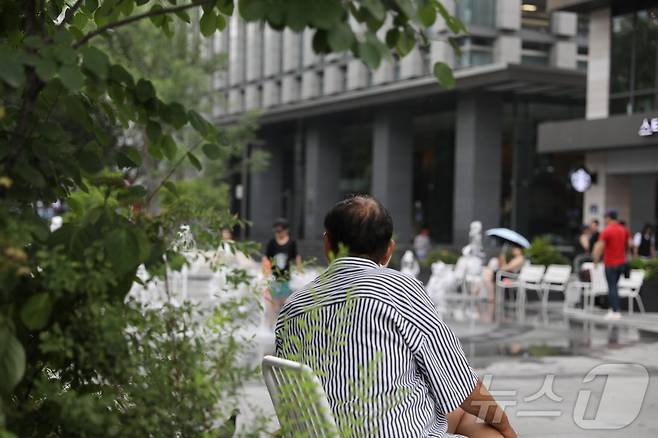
{"points": [[650, 266], [441, 255], [541, 252], [70, 364]]}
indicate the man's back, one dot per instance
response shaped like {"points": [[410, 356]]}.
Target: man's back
{"points": [[616, 238], [389, 366]]}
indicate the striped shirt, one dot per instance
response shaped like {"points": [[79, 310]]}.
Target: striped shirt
{"points": [[389, 365]]}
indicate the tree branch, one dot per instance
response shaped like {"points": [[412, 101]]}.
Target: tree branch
{"points": [[70, 12], [170, 173], [150, 14]]}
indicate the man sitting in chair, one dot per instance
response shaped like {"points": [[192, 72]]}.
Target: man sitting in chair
{"points": [[389, 366]]}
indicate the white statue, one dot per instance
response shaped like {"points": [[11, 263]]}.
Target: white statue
{"points": [[409, 265], [441, 282]]}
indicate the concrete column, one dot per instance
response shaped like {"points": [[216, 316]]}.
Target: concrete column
{"points": [[507, 48], [271, 93], [508, 15], [411, 66], [392, 167], [333, 79], [264, 200], [310, 57], [235, 101], [598, 64], [322, 175], [357, 75], [310, 85], [289, 89], [441, 51], [272, 56], [478, 139], [252, 97], [563, 54], [523, 154], [254, 51], [291, 50], [564, 24], [384, 74], [594, 202], [236, 60], [643, 201]]}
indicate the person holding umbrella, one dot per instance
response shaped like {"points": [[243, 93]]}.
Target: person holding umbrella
{"points": [[511, 258]]}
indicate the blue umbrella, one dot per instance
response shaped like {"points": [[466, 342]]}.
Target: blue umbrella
{"points": [[509, 236]]}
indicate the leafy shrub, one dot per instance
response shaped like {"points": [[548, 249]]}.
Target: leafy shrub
{"points": [[541, 252], [650, 266], [441, 255]]}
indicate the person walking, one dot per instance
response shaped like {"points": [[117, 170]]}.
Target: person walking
{"points": [[388, 364], [612, 246], [280, 251]]}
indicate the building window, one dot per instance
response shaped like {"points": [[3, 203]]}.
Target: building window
{"points": [[634, 61], [355, 159], [534, 15], [477, 12], [475, 51], [535, 53]]}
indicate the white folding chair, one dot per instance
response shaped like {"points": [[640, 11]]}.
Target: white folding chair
{"points": [[555, 279], [630, 288], [528, 279], [299, 400]]}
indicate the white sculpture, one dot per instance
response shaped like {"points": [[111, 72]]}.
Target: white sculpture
{"points": [[469, 265], [409, 265], [441, 282]]}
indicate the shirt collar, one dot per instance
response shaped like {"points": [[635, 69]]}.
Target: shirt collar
{"points": [[351, 262]]}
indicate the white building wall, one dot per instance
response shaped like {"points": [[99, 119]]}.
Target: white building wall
{"points": [[357, 75], [254, 52], [272, 40], [411, 66], [236, 60], [291, 50]]}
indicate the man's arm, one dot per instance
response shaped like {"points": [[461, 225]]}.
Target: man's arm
{"points": [[482, 405], [597, 252]]}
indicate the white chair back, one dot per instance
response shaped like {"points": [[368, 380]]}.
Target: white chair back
{"points": [[587, 266], [634, 281], [557, 274], [299, 400], [597, 275], [531, 273]]}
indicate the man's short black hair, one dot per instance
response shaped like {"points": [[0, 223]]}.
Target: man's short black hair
{"points": [[281, 223], [362, 224], [595, 221], [612, 214]]}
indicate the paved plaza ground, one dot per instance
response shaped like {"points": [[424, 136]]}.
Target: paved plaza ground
{"points": [[557, 354]]}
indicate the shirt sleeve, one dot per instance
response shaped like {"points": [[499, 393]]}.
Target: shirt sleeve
{"points": [[449, 376], [605, 234], [637, 239], [269, 250], [293, 250]]}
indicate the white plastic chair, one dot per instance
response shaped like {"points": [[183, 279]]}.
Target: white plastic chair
{"points": [[630, 288], [529, 278], [299, 400], [598, 284], [555, 279]]}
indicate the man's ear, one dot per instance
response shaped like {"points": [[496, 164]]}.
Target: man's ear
{"points": [[326, 243], [389, 253]]}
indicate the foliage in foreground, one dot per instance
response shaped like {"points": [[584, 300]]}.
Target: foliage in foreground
{"points": [[541, 252], [75, 358]]}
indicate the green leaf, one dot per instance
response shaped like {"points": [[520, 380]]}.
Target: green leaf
{"points": [[406, 42], [35, 313], [443, 73], [122, 250], [252, 10], [132, 157], [341, 37], [30, 174], [169, 147], [153, 131], [45, 69], [407, 7], [183, 15], [369, 54], [119, 74], [198, 122], [325, 14], [221, 22], [212, 151], [132, 194], [208, 23], [174, 114], [376, 8], [427, 14], [145, 90], [12, 361], [71, 77], [171, 186], [225, 7], [392, 37], [320, 43], [90, 6], [296, 15], [11, 69], [90, 159], [157, 20], [195, 161], [155, 150], [65, 54], [95, 61]]}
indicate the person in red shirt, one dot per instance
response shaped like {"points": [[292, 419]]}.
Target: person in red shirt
{"points": [[612, 244]]}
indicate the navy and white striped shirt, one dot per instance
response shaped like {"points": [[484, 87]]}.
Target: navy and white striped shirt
{"points": [[389, 365]]}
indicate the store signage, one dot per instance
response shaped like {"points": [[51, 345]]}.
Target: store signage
{"points": [[581, 180], [649, 127]]}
